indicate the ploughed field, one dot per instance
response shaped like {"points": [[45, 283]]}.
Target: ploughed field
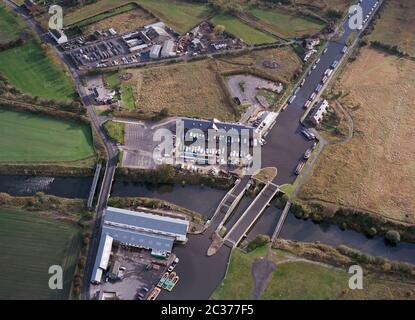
{"points": [[375, 171], [35, 138], [30, 244]]}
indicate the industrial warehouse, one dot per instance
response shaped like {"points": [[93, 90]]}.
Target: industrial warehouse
{"points": [[136, 229]]}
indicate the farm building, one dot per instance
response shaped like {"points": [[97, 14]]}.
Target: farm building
{"points": [[156, 32], [168, 49], [319, 112], [155, 51], [58, 35], [136, 229]]}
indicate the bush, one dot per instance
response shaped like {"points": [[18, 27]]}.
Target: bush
{"points": [[259, 241], [393, 236]]}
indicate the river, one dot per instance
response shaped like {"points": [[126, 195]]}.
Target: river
{"points": [[66, 187]]}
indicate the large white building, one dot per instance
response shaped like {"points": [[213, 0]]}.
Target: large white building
{"points": [[319, 112], [168, 49], [136, 229]]}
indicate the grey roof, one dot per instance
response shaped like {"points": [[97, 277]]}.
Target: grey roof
{"points": [[134, 238], [143, 220], [204, 125], [98, 258]]}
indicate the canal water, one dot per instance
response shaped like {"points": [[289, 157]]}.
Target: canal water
{"points": [[67, 187], [205, 200], [200, 199]]}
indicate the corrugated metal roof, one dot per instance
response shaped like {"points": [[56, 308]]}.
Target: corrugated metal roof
{"points": [[134, 238], [143, 220]]}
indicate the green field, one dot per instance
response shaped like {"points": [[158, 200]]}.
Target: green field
{"points": [[29, 137], [238, 283], [107, 14], [10, 28], [116, 131], [29, 69], [295, 279], [30, 244], [285, 25], [127, 97], [179, 15], [241, 30]]}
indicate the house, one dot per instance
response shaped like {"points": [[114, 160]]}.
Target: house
{"points": [[31, 6], [319, 112], [310, 43]]}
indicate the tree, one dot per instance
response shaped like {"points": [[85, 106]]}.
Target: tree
{"points": [[219, 29], [393, 236]]}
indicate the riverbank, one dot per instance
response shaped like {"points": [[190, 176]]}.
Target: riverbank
{"points": [[291, 270], [367, 223]]}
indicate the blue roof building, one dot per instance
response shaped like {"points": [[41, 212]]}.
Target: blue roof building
{"points": [[137, 229]]}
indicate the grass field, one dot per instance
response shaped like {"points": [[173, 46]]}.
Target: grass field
{"points": [[30, 244], [127, 96], [375, 170], [179, 15], [10, 27], [241, 30], [29, 69], [396, 26], [185, 89], [238, 283], [299, 279], [122, 22], [116, 131], [322, 6], [283, 24], [287, 59], [29, 137]]}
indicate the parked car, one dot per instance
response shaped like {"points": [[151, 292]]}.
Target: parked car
{"points": [[307, 153], [307, 134], [299, 168]]}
